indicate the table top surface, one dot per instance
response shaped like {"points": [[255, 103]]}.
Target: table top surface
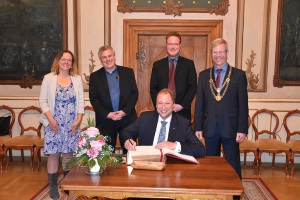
{"points": [[212, 175]]}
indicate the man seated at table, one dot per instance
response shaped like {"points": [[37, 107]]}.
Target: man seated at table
{"points": [[163, 128]]}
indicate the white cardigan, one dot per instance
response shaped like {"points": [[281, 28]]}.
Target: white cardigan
{"points": [[47, 95]]}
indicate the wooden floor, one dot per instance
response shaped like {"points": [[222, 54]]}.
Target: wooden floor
{"points": [[20, 183]]}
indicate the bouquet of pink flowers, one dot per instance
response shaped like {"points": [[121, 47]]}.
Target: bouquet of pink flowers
{"points": [[92, 149]]}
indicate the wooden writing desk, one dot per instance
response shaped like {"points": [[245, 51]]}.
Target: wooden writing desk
{"points": [[213, 178]]}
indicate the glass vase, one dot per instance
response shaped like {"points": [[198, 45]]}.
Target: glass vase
{"points": [[96, 169]]}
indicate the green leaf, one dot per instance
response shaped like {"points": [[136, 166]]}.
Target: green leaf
{"points": [[91, 163]]}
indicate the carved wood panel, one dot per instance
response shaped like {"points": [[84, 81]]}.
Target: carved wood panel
{"points": [[145, 42], [176, 8]]}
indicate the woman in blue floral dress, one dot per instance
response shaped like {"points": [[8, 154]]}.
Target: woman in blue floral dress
{"points": [[62, 103]]}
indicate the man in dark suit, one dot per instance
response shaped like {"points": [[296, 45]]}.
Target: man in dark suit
{"points": [[179, 135], [221, 111], [183, 82], [113, 94]]}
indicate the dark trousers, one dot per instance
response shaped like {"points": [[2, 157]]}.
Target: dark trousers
{"points": [[112, 129], [230, 146]]}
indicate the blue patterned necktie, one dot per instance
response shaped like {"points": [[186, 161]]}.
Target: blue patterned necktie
{"points": [[162, 132]]}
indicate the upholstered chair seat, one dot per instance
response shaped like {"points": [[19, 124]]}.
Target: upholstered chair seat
{"points": [[6, 111], [291, 131], [3, 139], [29, 133], [272, 144], [269, 144], [22, 141], [294, 145]]}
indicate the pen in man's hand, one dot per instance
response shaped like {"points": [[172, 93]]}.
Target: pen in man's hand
{"points": [[131, 143]]}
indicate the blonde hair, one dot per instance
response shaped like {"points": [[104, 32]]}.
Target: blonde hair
{"points": [[55, 65], [217, 42], [104, 48]]}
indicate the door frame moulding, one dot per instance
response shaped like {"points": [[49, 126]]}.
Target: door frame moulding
{"points": [[135, 27]]}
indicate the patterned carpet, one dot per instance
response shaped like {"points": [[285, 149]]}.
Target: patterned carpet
{"points": [[254, 189]]}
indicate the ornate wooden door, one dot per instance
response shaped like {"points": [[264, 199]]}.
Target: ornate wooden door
{"points": [[145, 42]]}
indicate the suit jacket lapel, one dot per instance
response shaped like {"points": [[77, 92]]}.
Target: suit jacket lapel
{"points": [[152, 127], [165, 72], [105, 87], [122, 82], [103, 79], [179, 64], [172, 129], [227, 72]]}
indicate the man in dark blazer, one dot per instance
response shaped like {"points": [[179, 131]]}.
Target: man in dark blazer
{"points": [[221, 110], [185, 77], [179, 137], [113, 94]]}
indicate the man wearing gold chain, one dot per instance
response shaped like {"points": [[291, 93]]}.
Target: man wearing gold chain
{"points": [[221, 111]]}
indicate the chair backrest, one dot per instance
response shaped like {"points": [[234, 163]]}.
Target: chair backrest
{"points": [[27, 110], [8, 111], [272, 128], [86, 109], [249, 121], [289, 115], [149, 108], [89, 108]]}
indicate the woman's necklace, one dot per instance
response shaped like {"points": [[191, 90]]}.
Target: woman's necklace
{"points": [[213, 87]]}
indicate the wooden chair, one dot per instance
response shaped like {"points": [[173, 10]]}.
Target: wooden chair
{"points": [[269, 144], [25, 141], [38, 145], [293, 144], [8, 111], [88, 109], [148, 108], [248, 146]]}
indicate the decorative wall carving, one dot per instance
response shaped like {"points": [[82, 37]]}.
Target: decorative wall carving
{"points": [[91, 68], [220, 9], [123, 7], [252, 79], [259, 44], [169, 7]]}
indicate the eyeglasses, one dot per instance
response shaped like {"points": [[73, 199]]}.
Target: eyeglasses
{"points": [[218, 52], [173, 44], [65, 59]]}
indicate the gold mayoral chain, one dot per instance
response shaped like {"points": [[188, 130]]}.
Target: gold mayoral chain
{"points": [[218, 97]]}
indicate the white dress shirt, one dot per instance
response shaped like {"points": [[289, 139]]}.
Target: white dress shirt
{"points": [[158, 126]]}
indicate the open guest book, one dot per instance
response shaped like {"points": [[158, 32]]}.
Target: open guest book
{"points": [[151, 154]]}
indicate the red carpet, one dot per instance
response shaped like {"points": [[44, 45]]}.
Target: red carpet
{"points": [[254, 189]]}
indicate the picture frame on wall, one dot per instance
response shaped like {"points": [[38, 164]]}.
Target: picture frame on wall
{"points": [[287, 59], [172, 7], [32, 32]]}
